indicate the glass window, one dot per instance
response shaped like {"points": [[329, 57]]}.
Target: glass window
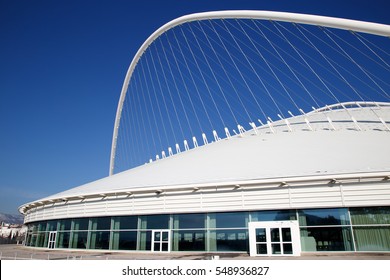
{"points": [[318, 217], [42, 226], [99, 240], [189, 240], [155, 222], [80, 224], [124, 240], [63, 239], [51, 225], [79, 239], [372, 238], [183, 221], [229, 240], [228, 220], [126, 222], [40, 240], [103, 223], [265, 216], [145, 240], [370, 215], [326, 239], [64, 224]]}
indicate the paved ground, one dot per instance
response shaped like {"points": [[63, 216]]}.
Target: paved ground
{"points": [[20, 252]]}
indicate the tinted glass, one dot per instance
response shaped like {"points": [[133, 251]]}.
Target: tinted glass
{"points": [[232, 240], [100, 239], [80, 239], [183, 221], [51, 225], [130, 222], [103, 223], [261, 235], [189, 240], [63, 239], [231, 220], [155, 222], [372, 238], [80, 224], [64, 224], [316, 217], [127, 240], [283, 215], [370, 215], [326, 239]]}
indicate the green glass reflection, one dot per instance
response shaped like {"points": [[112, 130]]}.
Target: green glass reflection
{"points": [[370, 215], [326, 239], [317, 217], [372, 238]]}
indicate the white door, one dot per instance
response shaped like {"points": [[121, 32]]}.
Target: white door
{"points": [[161, 241], [51, 244], [279, 238]]}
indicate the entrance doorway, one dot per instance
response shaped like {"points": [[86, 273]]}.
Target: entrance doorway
{"points": [[161, 240], [51, 244], [279, 238]]}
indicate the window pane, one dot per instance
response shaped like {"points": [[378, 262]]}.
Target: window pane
{"points": [[103, 223], [286, 234], [79, 239], [155, 222], [125, 240], [231, 220], [145, 240], [189, 240], [316, 217], [283, 215], [287, 248], [99, 240], [326, 239], [229, 240], [51, 225], [275, 235], [261, 249], [261, 235], [64, 224], [80, 224], [42, 226], [63, 239], [372, 238], [183, 221], [129, 222], [370, 215], [276, 249]]}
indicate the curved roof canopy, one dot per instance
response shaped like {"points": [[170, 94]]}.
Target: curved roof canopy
{"points": [[324, 143]]}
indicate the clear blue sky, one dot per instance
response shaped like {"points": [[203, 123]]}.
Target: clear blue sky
{"points": [[62, 64]]}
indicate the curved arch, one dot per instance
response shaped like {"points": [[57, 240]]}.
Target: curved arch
{"points": [[346, 24]]}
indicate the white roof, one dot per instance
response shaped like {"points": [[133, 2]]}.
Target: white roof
{"points": [[308, 150]]}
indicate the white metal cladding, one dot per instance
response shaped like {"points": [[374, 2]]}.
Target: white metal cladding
{"points": [[374, 192]]}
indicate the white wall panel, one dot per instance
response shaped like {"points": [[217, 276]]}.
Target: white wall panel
{"points": [[358, 194]]}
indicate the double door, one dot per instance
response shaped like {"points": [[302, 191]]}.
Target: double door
{"points": [[51, 244], [161, 240], [274, 238]]}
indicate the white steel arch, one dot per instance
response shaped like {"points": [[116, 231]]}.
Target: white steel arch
{"points": [[339, 23]]}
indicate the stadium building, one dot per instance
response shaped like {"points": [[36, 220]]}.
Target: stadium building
{"points": [[317, 181]]}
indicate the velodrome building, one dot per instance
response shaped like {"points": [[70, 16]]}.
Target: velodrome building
{"points": [[318, 181]]}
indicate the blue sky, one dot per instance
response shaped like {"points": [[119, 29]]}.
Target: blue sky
{"points": [[62, 64]]}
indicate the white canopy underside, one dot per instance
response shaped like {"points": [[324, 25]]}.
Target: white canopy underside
{"points": [[266, 155]]}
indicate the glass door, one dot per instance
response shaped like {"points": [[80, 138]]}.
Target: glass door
{"points": [[52, 240], [161, 240], [279, 238]]}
